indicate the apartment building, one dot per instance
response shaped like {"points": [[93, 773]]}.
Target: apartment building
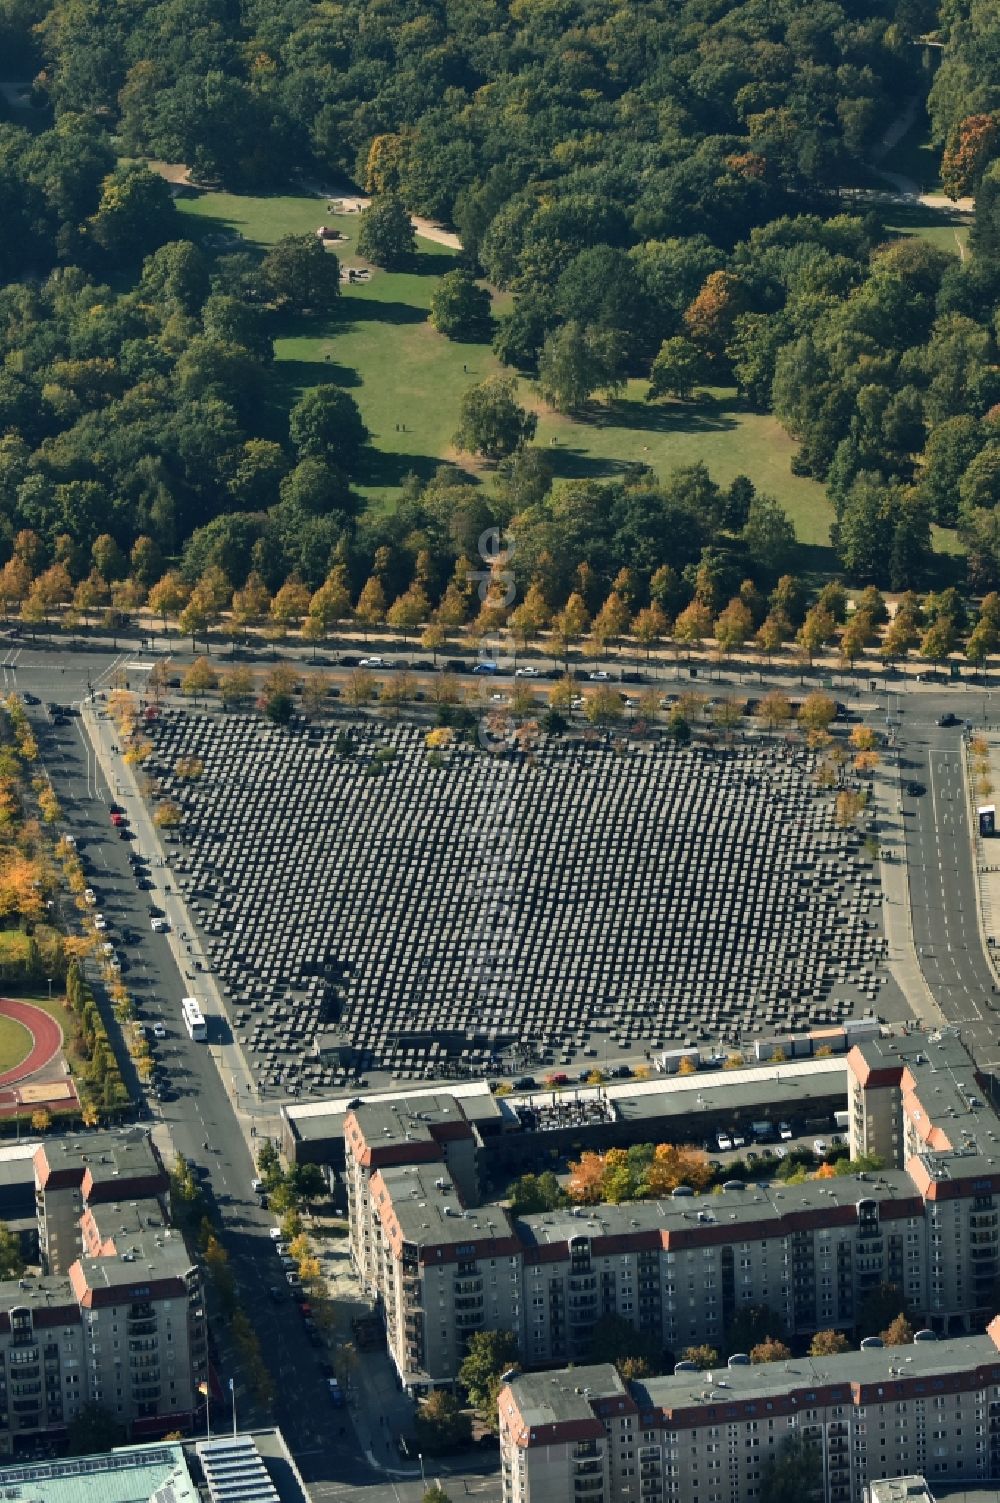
{"points": [[581, 1435], [73, 1173], [119, 1317], [682, 1267], [380, 1135]]}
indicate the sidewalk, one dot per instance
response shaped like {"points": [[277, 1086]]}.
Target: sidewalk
{"points": [[896, 916], [233, 1070], [985, 852]]}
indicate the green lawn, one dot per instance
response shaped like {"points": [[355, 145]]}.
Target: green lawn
{"points": [[15, 1042], [381, 347]]}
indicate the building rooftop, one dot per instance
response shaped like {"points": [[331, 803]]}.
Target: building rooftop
{"points": [[51, 1292], [407, 1121], [316, 1120], [552, 1398], [134, 1474], [743, 1203], [428, 1211], [901, 1490], [101, 1161], [933, 1360], [234, 1471]]}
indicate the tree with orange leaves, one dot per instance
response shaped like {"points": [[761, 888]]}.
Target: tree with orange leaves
{"points": [[586, 1179]]}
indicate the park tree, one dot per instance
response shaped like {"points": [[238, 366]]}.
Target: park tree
{"points": [[385, 233], [460, 308], [971, 147], [301, 275], [649, 627], [693, 624], [251, 605], [575, 362], [569, 624], [410, 609], [290, 604], [678, 369], [491, 421], [325, 423], [371, 605], [136, 213], [612, 620], [169, 595]]}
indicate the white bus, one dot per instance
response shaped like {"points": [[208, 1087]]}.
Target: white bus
{"points": [[194, 1021]]}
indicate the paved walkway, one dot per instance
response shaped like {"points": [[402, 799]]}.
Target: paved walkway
{"points": [[986, 852], [903, 961]]}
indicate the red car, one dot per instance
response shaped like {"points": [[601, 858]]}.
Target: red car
{"points": [[117, 820]]}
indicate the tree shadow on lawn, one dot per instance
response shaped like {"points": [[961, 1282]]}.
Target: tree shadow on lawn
{"points": [[709, 415], [358, 310], [381, 467], [293, 375], [432, 261]]}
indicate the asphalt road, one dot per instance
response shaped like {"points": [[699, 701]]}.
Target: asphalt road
{"points": [[945, 930]]}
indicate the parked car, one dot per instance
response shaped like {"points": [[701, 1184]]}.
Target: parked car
{"points": [[375, 662], [486, 667], [819, 1147], [336, 1393], [159, 1031], [526, 672]]}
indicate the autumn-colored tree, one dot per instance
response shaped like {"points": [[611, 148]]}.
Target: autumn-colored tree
{"points": [[252, 604], [585, 1185], [611, 620], [603, 706], [770, 1350], [168, 596], [693, 624], [828, 1344], [706, 1357], [15, 582], [199, 678], [898, 1332], [290, 604], [774, 632], [569, 625], [817, 630], [775, 709], [862, 738], [972, 145], [687, 1066], [649, 627], [332, 601], [370, 609], [673, 1166], [938, 640], [709, 318], [855, 637], [816, 712], [410, 609], [732, 626], [900, 636]]}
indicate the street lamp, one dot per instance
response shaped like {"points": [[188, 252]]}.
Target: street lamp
{"points": [[423, 1479]]}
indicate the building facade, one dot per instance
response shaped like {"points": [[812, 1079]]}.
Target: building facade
{"points": [[118, 1318], [581, 1435], [441, 1265]]}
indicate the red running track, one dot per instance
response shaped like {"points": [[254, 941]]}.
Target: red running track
{"points": [[46, 1038]]}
